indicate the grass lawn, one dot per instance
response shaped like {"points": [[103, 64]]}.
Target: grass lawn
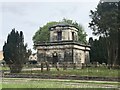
{"points": [[56, 83], [99, 72], [4, 68], [60, 83]]}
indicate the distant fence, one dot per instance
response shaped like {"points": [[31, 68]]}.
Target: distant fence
{"points": [[64, 64]]}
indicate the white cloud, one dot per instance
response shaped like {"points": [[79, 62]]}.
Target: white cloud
{"points": [[28, 17]]}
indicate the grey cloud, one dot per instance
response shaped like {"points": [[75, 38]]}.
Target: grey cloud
{"points": [[14, 8]]}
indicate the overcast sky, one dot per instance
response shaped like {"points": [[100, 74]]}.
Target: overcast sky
{"points": [[29, 16]]}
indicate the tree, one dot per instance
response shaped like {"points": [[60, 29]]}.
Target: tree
{"points": [[104, 23], [98, 52], [43, 33], [119, 32], [15, 52]]}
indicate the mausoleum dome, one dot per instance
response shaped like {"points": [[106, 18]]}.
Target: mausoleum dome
{"points": [[63, 32]]}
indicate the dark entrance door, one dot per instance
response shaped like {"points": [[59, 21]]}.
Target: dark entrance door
{"points": [[55, 58]]}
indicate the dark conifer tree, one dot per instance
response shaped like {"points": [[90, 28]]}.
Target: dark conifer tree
{"points": [[15, 52]]}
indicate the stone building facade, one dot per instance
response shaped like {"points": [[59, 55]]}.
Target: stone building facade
{"points": [[33, 58], [64, 43], [1, 55]]}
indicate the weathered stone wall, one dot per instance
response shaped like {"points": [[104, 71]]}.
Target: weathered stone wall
{"points": [[79, 57], [66, 53], [81, 54], [87, 57], [63, 55], [66, 34]]}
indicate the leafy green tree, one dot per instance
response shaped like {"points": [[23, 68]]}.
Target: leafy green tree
{"points": [[104, 23], [43, 33], [15, 52]]}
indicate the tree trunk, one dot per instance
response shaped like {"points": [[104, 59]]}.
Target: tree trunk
{"points": [[115, 49], [47, 65], [42, 66], [119, 48], [64, 66], [109, 53]]}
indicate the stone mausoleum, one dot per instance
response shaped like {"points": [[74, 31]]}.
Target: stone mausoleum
{"points": [[64, 43]]}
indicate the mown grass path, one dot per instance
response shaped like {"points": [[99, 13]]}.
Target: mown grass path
{"points": [[55, 83]]}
